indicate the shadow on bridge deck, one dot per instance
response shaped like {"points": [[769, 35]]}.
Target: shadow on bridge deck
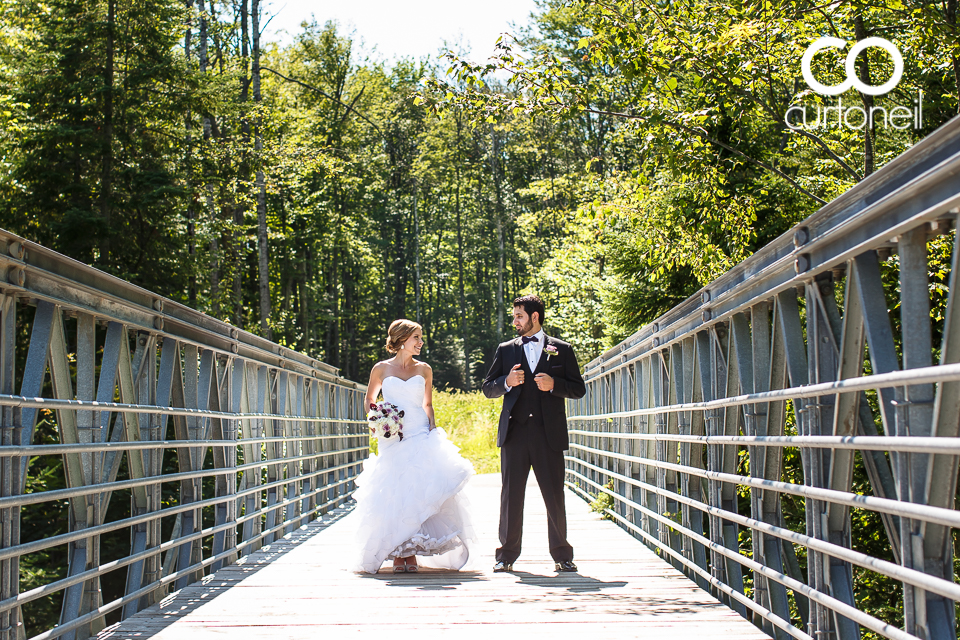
{"points": [[301, 587]]}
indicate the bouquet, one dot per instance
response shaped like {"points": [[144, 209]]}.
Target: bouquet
{"points": [[385, 420]]}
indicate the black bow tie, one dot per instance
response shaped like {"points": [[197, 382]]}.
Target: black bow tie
{"points": [[526, 339]]}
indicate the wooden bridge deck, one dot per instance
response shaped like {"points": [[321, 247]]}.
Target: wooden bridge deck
{"points": [[300, 587]]}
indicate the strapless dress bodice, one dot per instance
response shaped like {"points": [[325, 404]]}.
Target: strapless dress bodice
{"points": [[408, 395]]}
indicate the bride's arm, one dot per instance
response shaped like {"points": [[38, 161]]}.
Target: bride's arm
{"points": [[373, 387], [428, 398]]}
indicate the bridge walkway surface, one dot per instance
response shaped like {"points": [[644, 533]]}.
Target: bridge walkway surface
{"points": [[301, 587]]}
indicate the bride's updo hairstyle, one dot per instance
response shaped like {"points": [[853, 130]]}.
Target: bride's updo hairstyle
{"points": [[398, 333]]}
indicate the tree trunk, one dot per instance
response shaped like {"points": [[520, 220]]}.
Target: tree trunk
{"points": [[500, 256], [188, 161], [467, 380], [286, 270], [106, 176], [304, 315], [501, 245], [416, 250], [260, 182], [951, 15], [860, 33], [349, 324], [188, 32], [239, 213], [400, 259], [204, 55]]}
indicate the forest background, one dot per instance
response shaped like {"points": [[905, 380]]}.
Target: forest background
{"points": [[614, 157]]}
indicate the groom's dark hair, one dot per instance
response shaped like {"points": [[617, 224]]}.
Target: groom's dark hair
{"points": [[531, 304]]}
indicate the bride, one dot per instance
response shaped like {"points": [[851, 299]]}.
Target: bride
{"points": [[409, 500]]}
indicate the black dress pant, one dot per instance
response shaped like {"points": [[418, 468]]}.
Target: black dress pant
{"points": [[526, 446]]}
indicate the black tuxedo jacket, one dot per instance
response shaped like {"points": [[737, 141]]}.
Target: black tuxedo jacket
{"points": [[567, 383]]}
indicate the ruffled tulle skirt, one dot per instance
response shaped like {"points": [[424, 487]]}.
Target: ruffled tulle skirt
{"points": [[410, 502]]}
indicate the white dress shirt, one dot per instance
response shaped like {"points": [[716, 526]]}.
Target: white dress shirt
{"points": [[532, 350]]}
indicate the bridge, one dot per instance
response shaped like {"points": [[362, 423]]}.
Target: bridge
{"points": [[725, 436], [622, 591]]}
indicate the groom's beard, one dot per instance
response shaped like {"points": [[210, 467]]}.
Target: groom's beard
{"points": [[522, 329]]}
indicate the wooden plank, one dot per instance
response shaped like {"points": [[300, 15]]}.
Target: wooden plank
{"points": [[301, 586]]}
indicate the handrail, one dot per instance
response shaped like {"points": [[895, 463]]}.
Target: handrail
{"points": [[699, 415], [902, 444], [145, 393], [145, 409]]}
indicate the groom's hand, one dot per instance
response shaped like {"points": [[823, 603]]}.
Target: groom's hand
{"points": [[515, 377], [544, 382]]}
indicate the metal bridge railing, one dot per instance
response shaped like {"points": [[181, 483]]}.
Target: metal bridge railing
{"points": [[768, 383], [223, 440]]}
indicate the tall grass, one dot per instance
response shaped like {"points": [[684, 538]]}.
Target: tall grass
{"points": [[470, 421]]}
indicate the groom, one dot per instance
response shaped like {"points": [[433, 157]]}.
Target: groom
{"points": [[534, 373]]}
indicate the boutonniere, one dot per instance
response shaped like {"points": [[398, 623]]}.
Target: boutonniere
{"points": [[550, 350]]}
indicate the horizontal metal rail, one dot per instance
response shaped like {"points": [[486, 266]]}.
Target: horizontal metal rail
{"points": [[119, 407], [901, 444], [94, 489], [106, 568], [935, 515], [912, 377], [889, 569], [777, 379], [55, 541], [58, 449]]}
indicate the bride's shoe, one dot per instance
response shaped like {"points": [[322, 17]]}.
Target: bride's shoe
{"points": [[399, 565], [411, 564]]}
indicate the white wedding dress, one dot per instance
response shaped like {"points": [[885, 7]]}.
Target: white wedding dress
{"points": [[409, 497]]}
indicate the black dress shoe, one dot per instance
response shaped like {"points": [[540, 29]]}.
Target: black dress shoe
{"points": [[502, 566], [566, 565]]}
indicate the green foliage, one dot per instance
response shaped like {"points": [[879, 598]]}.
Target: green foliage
{"points": [[604, 502], [92, 161], [36, 522], [697, 163]]}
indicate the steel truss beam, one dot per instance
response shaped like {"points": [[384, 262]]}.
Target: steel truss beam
{"points": [[263, 439], [766, 384]]}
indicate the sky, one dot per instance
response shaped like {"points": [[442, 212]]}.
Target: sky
{"points": [[405, 28]]}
